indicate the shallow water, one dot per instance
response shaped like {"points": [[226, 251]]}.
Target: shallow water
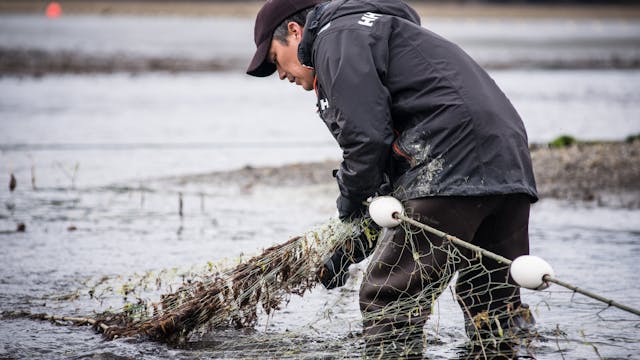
{"points": [[125, 231], [124, 129], [110, 155]]}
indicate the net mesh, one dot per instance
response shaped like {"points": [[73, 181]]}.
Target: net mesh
{"points": [[236, 306], [219, 297], [226, 296]]}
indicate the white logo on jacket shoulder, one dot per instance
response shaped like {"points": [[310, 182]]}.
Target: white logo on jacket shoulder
{"points": [[368, 18], [324, 27], [324, 104]]}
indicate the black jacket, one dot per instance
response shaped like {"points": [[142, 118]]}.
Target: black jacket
{"points": [[408, 106]]}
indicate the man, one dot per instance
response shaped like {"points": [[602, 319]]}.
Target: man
{"points": [[413, 113]]}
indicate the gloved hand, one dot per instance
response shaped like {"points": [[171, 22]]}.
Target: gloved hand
{"points": [[334, 272], [349, 209]]}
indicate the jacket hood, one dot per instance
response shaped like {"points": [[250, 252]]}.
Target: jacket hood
{"points": [[326, 12], [339, 8]]}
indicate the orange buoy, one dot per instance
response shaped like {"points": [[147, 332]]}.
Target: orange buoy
{"points": [[54, 10]]}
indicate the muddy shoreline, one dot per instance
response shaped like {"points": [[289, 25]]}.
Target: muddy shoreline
{"points": [[38, 63], [603, 174]]}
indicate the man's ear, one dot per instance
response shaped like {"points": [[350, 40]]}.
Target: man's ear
{"points": [[294, 29]]}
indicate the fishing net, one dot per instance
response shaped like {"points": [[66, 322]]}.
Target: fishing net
{"points": [[226, 297], [235, 306], [233, 296]]}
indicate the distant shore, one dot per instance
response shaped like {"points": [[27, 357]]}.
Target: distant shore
{"points": [[604, 173], [250, 8], [34, 59], [39, 62]]}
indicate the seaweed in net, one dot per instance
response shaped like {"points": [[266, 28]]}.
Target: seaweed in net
{"points": [[230, 298]]}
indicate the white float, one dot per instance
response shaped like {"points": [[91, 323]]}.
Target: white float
{"points": [[382, 210], [528, 271]]}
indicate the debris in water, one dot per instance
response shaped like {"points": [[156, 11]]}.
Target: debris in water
{"points": [[12, 183], [33, 177]]}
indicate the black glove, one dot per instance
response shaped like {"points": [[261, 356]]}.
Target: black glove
{"points": [[334, 272], [349, 209], [360, 247]]}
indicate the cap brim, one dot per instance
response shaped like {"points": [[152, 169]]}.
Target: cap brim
{"points": [[259, 65]]}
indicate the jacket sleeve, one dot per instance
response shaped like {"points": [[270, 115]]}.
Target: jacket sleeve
{"points": [[350, 65]]}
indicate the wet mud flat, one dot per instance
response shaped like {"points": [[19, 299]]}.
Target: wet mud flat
{"points": [[607, 173], [38, 62], [123, 230]]}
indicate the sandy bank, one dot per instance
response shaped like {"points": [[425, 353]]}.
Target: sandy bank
{"points": [[606, 174]]}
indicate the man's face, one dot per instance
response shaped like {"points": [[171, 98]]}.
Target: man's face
{"points": [[285, 58]]}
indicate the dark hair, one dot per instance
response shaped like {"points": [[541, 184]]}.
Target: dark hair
{"points": [[281, 31]]}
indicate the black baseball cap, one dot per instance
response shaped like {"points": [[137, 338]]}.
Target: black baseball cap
{"points": [[272, 13]]}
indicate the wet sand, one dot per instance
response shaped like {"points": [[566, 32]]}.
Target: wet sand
{"points": [[606, 173], [250, 8]]}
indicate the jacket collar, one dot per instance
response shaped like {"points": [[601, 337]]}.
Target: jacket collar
{"points": [[309, 34]]}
